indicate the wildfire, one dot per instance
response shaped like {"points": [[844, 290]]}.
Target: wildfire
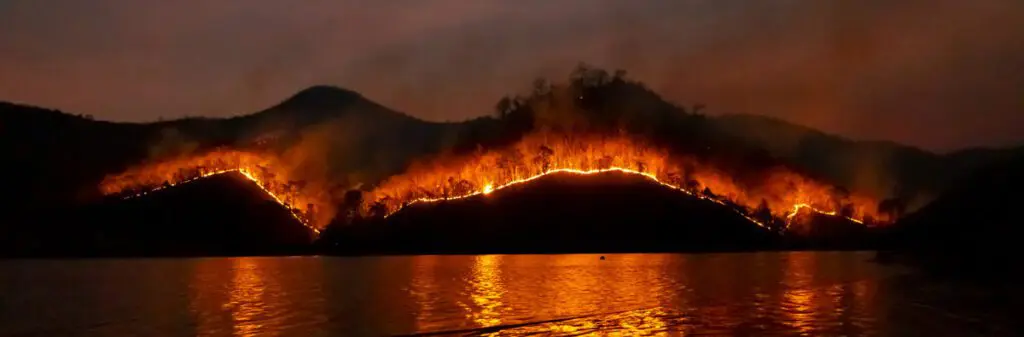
{"points": [[488, 189], [778, 191], [784, 192], [265, 171]]}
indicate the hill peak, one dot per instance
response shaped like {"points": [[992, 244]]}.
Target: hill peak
{"points": [[321, 97]]}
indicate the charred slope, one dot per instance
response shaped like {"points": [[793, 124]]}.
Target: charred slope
{"points": [[559, 213], [220, 215], [973, 228]]}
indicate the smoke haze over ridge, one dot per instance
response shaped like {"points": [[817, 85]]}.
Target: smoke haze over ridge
{"points": [[938, 74]]}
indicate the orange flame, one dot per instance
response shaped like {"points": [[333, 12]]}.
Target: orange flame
{"points": [[301, 199], [784, 191]]}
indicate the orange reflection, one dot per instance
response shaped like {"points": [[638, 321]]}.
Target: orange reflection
{"points": [[581, 295], [424, 290], [245, 299], [252, 296], [798, 296], [643, 294], [486, 290]]}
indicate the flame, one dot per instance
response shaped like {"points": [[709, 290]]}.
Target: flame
{"points": [[540, 154], [263, 170], [785, 192]]}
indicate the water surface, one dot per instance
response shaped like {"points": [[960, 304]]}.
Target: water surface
{"points": [[800, 293]]}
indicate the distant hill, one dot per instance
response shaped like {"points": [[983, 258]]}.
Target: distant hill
{"points": [[879, 167], [973, 227]]}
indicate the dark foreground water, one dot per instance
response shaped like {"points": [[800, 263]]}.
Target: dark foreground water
{"points": [[757, 294]]}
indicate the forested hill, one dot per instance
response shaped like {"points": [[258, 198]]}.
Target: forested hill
{"points": [[54, 158], [879, 167]]}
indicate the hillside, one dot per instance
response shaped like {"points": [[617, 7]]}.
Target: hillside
{"points": [[59, 158], [338, 137], [973, 227], [559, 213], [223, 215]]}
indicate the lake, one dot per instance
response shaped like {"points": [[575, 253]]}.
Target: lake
{"points": [[795, 293]]}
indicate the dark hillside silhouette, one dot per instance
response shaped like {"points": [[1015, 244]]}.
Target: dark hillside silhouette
{"points": [[882, 168], [55, 160], [558, 213], [223, 215], [972, 229]]}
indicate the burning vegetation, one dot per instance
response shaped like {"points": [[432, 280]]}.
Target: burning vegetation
{"points": [[600, 121], [597, 122], [309, 203], [771, 200]]}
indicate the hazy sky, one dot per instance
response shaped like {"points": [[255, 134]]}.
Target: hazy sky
{"points": [[940, 74]]}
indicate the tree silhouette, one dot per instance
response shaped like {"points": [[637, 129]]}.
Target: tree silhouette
{"points": [[378, 210], [692, 185], [350, 204], [543, 157], [847, 211], [894, 208], [620, 75], [503, 108], [764, 214]]}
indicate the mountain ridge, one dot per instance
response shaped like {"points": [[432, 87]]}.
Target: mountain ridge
{"points": [[369, 141]]}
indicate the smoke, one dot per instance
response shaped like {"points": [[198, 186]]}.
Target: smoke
{"points": [[939, 74], [171, 142]]}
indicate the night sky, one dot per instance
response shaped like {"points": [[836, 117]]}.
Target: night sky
{"points": [[940, 74]]}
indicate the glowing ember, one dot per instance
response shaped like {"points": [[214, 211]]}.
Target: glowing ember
{"points": [[785, 192]]}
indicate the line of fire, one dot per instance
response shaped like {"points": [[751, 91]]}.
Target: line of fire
{"points": [[596, 123], [776, 202]]}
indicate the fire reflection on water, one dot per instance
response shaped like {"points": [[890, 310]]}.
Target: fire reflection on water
{"points": [[249, 296], [486, 291], [798, 297], [246, 298], [636, 295], [808, 306], [229, 298]]}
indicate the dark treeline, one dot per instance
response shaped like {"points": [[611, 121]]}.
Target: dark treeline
{"points": [[596, 101]]}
